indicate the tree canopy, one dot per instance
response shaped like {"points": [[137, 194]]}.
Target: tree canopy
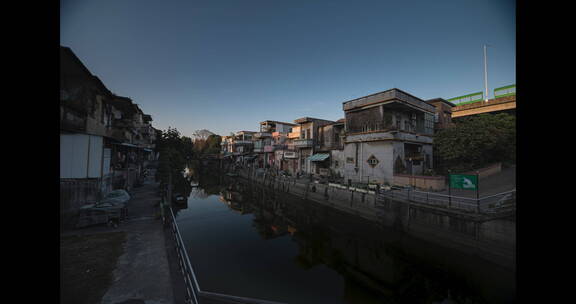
{"points": [[475, 142], [210, 145], [175, 152]]}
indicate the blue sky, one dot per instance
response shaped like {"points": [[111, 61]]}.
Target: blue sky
{"points": [[227, 65]]}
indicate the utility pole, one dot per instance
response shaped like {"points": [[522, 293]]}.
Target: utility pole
{"points": [[485, 75]]}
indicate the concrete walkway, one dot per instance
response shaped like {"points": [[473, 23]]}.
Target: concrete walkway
{"points": [[142, 273]]}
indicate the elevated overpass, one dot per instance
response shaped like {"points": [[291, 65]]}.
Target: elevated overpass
{"points": [[501, 104]]}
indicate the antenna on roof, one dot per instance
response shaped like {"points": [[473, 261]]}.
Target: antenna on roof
{"points": [[485, 74]]}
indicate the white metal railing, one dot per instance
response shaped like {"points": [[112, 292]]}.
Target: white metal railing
{"points": [[193, 291], [487, 204]]}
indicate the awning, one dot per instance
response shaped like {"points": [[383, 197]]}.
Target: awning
{"points": [[126, 144], [319, 157]]}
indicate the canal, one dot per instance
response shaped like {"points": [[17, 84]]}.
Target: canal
{"points": [[247, 241]]}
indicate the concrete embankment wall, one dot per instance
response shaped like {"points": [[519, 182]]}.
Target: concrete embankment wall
{"points": [[359, 203], [489, 237]]}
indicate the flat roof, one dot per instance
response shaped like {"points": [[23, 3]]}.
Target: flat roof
{"points": [[388, 95], [389, 90], [278, 122], [440, 99], [310, 119]]}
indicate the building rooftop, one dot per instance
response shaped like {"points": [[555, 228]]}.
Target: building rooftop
{"points": [[388, 95], [310, 119], [440, 100], [277, 122]]}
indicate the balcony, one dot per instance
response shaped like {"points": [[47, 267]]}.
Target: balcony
{"points": [[123, 123], [262, 134], [243, 142], [279, 146], [294, 135], [303, 143], [72, 120]]}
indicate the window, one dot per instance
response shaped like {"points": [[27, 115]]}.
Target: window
{"points": [[428, 123]]}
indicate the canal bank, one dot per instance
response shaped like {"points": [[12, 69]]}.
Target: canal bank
{"points": [[473, 228], [247, 240]]}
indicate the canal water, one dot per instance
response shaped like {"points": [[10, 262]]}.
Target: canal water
{"points": [[244, 240]]}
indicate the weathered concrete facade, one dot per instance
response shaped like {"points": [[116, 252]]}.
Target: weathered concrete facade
{"points": [[443, 114], [308, 143], [105, 140], [386, 133]]}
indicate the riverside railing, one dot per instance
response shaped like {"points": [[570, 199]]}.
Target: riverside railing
{"points": [[488, 204], [193, 291]]}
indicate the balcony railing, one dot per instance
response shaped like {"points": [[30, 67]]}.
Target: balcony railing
{"points": [[269, 148], [262, 134], [123, 123], [382, 127], [294, 135], [243, 142], [303, 143]]}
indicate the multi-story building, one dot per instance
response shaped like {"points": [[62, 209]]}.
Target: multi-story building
{"points": [[329, 149], [290, 155], [270, 143], [386, 133], [243, 142], [96, 149], [227, 145], [307, 142], [443, 113]]}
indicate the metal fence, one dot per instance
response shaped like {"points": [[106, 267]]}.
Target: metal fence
{"points": [[489, 204], [194, 294]]}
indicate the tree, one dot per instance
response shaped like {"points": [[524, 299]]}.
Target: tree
{"points": [[176, 151], [475, 142], [209, 145]]}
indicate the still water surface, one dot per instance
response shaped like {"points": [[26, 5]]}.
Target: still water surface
{"points": [[245, 241]]}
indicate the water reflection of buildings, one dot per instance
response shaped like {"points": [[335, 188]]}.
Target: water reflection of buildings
{"points": [[232, 199], [365, 255]]}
